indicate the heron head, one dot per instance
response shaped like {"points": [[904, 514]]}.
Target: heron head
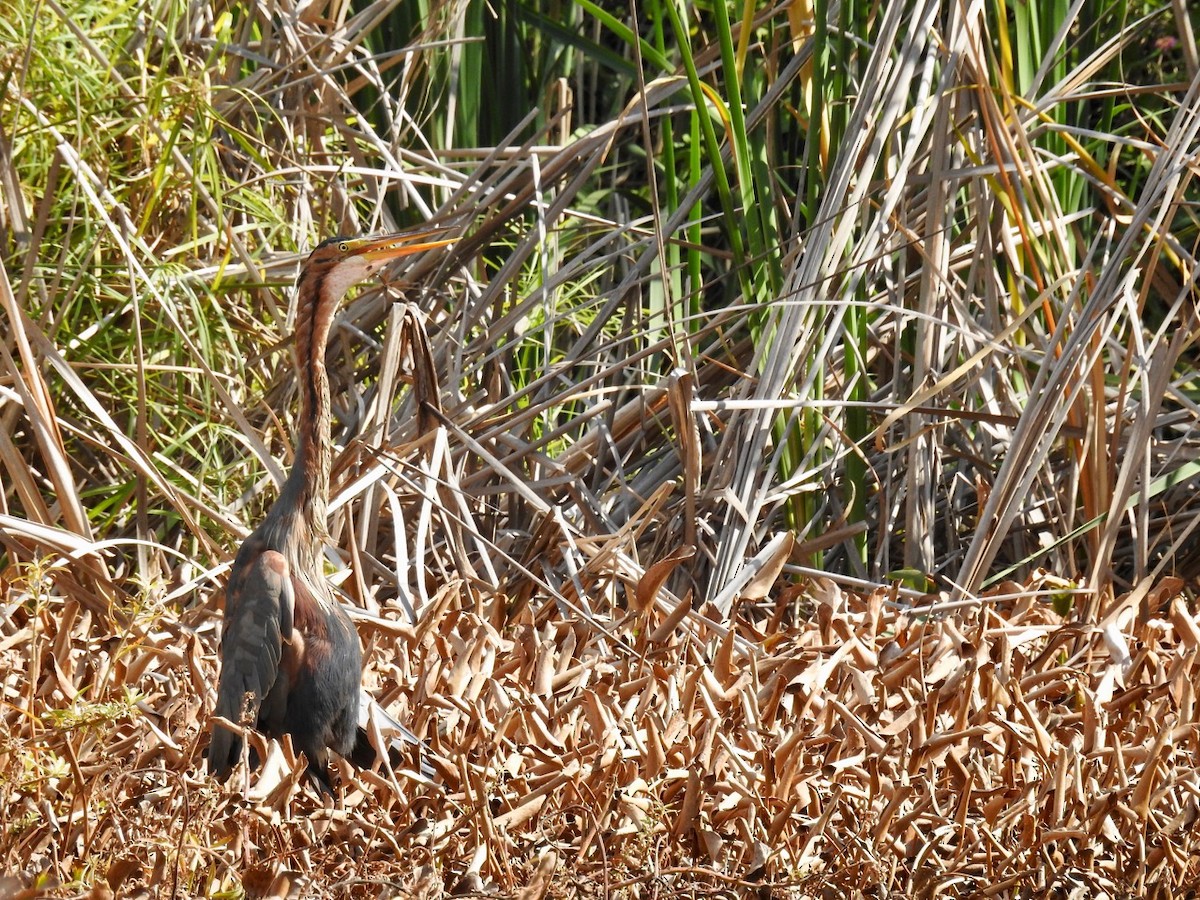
{"points": [[343, 262]]}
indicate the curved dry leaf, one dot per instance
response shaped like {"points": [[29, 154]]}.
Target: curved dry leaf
{"points": [[656, 576]]}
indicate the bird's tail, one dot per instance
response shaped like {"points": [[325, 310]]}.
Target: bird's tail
{"points": [[391, 734]]}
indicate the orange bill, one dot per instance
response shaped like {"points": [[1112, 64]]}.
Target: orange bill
{"points": [[391, 246]]}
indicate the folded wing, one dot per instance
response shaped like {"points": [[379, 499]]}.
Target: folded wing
{"points": [[259, 615]]}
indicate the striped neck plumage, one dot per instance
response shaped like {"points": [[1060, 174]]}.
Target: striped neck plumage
{"points": [[299, 515]]}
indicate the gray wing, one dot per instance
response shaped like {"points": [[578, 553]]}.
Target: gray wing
{"points": [[259, 612]]}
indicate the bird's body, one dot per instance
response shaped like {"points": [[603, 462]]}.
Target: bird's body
{"points": [[291, 660]]}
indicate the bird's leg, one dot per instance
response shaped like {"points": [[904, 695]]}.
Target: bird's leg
{"points": [[318, 772]]}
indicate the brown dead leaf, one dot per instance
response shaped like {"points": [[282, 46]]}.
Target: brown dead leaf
{"points": [[656, 576]]}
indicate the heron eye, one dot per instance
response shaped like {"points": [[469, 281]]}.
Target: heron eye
{"points": [[343, 247]]}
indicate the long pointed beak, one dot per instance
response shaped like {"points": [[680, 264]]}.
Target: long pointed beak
{"points": [[403, 243]]}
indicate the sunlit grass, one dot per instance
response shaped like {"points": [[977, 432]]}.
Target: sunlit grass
{"points": [[851, 273]]}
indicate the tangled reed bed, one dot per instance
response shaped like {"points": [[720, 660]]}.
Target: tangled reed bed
{"points": [[590, 735], [843, 746]]}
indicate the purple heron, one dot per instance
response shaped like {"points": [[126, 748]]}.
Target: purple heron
{"points": [[291, 660]]}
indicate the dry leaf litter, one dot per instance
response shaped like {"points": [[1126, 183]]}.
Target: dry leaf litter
{"points": [[841, 745]]}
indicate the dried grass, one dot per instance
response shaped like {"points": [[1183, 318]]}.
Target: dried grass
{"points": [[520, 543], [841, 746]]}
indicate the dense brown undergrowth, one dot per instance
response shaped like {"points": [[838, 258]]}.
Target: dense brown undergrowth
{"points": [[844, 745]]}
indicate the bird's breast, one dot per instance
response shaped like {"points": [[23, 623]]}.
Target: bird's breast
{"points": [[291, 659]]}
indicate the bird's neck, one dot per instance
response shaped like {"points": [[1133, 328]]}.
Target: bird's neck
{"points": [[301, 510]]}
